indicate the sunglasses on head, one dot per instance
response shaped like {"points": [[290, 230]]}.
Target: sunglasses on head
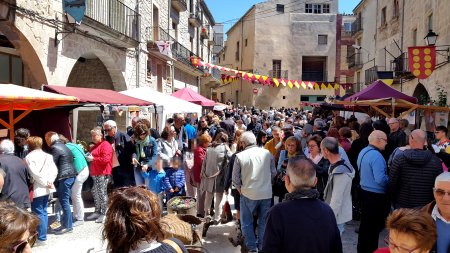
{"points": [[20, 246]]}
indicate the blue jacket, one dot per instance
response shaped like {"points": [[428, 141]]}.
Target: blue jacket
{"points": [[373, 170], [174, 178], [190, 131], [156, 180]]}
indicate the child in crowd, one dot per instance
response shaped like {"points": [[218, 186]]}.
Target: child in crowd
{"points": [[155, 179], [175, 180]]}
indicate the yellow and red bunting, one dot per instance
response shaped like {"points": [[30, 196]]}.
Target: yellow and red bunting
{"points": [[230, 75]]}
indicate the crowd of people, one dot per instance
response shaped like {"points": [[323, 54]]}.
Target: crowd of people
{"points": [[296, 177]]}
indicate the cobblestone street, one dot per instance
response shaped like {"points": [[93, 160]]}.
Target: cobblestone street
{"points": [[88, 236]]}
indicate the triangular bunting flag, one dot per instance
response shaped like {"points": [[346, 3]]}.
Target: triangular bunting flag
{"points": [[276, 82], [290, 84], [323, 86], [296, 84], [336, 86], [303, 85], [316, 86], [330, 86]]}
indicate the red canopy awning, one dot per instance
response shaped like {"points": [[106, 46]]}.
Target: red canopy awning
{"points": [[193, 97], [378, 90], [96, 96]]}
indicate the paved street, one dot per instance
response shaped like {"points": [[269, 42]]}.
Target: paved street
{"points": [[88, 236]]}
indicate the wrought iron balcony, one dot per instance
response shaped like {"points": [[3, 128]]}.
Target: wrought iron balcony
{"points": [[355, 61], [357, 26], [278, 74], [371, 74], [114, 15], [195, 19], [318, 76], [400, 67], [179, 5], [179, 52]]}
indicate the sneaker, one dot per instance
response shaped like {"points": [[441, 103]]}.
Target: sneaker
{"points": [[93, 216], [77, 223], [253, 250], [55, 225], [39, 243], [63, 231], [100, 219]]}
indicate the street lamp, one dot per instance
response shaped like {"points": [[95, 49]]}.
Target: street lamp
{"points": [[431, 38], [4, 11]]}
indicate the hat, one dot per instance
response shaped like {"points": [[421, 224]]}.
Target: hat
{"points": [[393, 120], [307, 129]]}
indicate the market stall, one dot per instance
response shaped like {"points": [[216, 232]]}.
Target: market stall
{"points": [[102, 100], [19, 98], [193, 97], [165, 105]]}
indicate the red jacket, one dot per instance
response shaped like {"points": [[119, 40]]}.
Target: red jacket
{"points": [[102, 163], [199, 156]]}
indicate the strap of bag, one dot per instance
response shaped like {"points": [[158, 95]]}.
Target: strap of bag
{"points": [[222, 165], [43, 165], [359, 166], [174, 245]]}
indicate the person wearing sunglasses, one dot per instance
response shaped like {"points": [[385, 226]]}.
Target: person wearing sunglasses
{"points": [[410, 231], [17, 229], [440, 211]]}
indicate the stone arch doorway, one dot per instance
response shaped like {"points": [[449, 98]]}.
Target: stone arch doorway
{"points": [[421, 93], [17, 49], [89, 71]]}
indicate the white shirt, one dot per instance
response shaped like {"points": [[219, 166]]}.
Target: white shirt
{"points": [[435, 214]]}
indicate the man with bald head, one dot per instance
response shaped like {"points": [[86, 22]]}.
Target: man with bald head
{"points": [[412, 174], [375, 204]]}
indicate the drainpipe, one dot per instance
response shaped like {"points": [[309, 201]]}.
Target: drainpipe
{"points": [[401, 41], [138, 48]]}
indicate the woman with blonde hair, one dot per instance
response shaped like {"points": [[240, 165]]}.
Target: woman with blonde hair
{"points": [[43, 172], [132, 223]]}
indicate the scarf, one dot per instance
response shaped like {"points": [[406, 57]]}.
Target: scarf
{"points": [[140, 144], [316, 159], [302, 194]]}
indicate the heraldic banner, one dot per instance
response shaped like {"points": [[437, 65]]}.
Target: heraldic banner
{"points": [[422, 61]]}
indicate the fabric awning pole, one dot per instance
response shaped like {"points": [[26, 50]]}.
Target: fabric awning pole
{"points": [[11, 121], [75, 124]]}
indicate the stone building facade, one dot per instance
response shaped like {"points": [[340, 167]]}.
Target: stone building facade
{"points": [[112, 48], [288, 39], [384, 30]]}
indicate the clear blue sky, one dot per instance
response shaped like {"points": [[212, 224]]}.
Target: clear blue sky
{"points": [[228, 11]]}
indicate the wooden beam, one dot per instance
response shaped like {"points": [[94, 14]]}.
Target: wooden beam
{"points": [[11, 121], [408, 111], [25, 113], [4, 123], [380, 111]]}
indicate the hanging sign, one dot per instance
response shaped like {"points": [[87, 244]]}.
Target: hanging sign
{"points": [[75, 9], [422, 61]]}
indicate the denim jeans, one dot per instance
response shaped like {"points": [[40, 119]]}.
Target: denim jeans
{"points": [[64, 192], [248, 208], [39, 207]]}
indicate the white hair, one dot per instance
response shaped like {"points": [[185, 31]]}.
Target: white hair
{"points": [[248, 138], [443, 177], [7, 147], [110, 123], [53, 138]]}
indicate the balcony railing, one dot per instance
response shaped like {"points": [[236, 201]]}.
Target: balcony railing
{"points": [[355, 60], [115, 15], [279, 74], [317, 75], [179, 5], [357, 25], [371, 74], [179, 52]]}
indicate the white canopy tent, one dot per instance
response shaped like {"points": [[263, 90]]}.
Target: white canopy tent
{"points": [[166, 105]]}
